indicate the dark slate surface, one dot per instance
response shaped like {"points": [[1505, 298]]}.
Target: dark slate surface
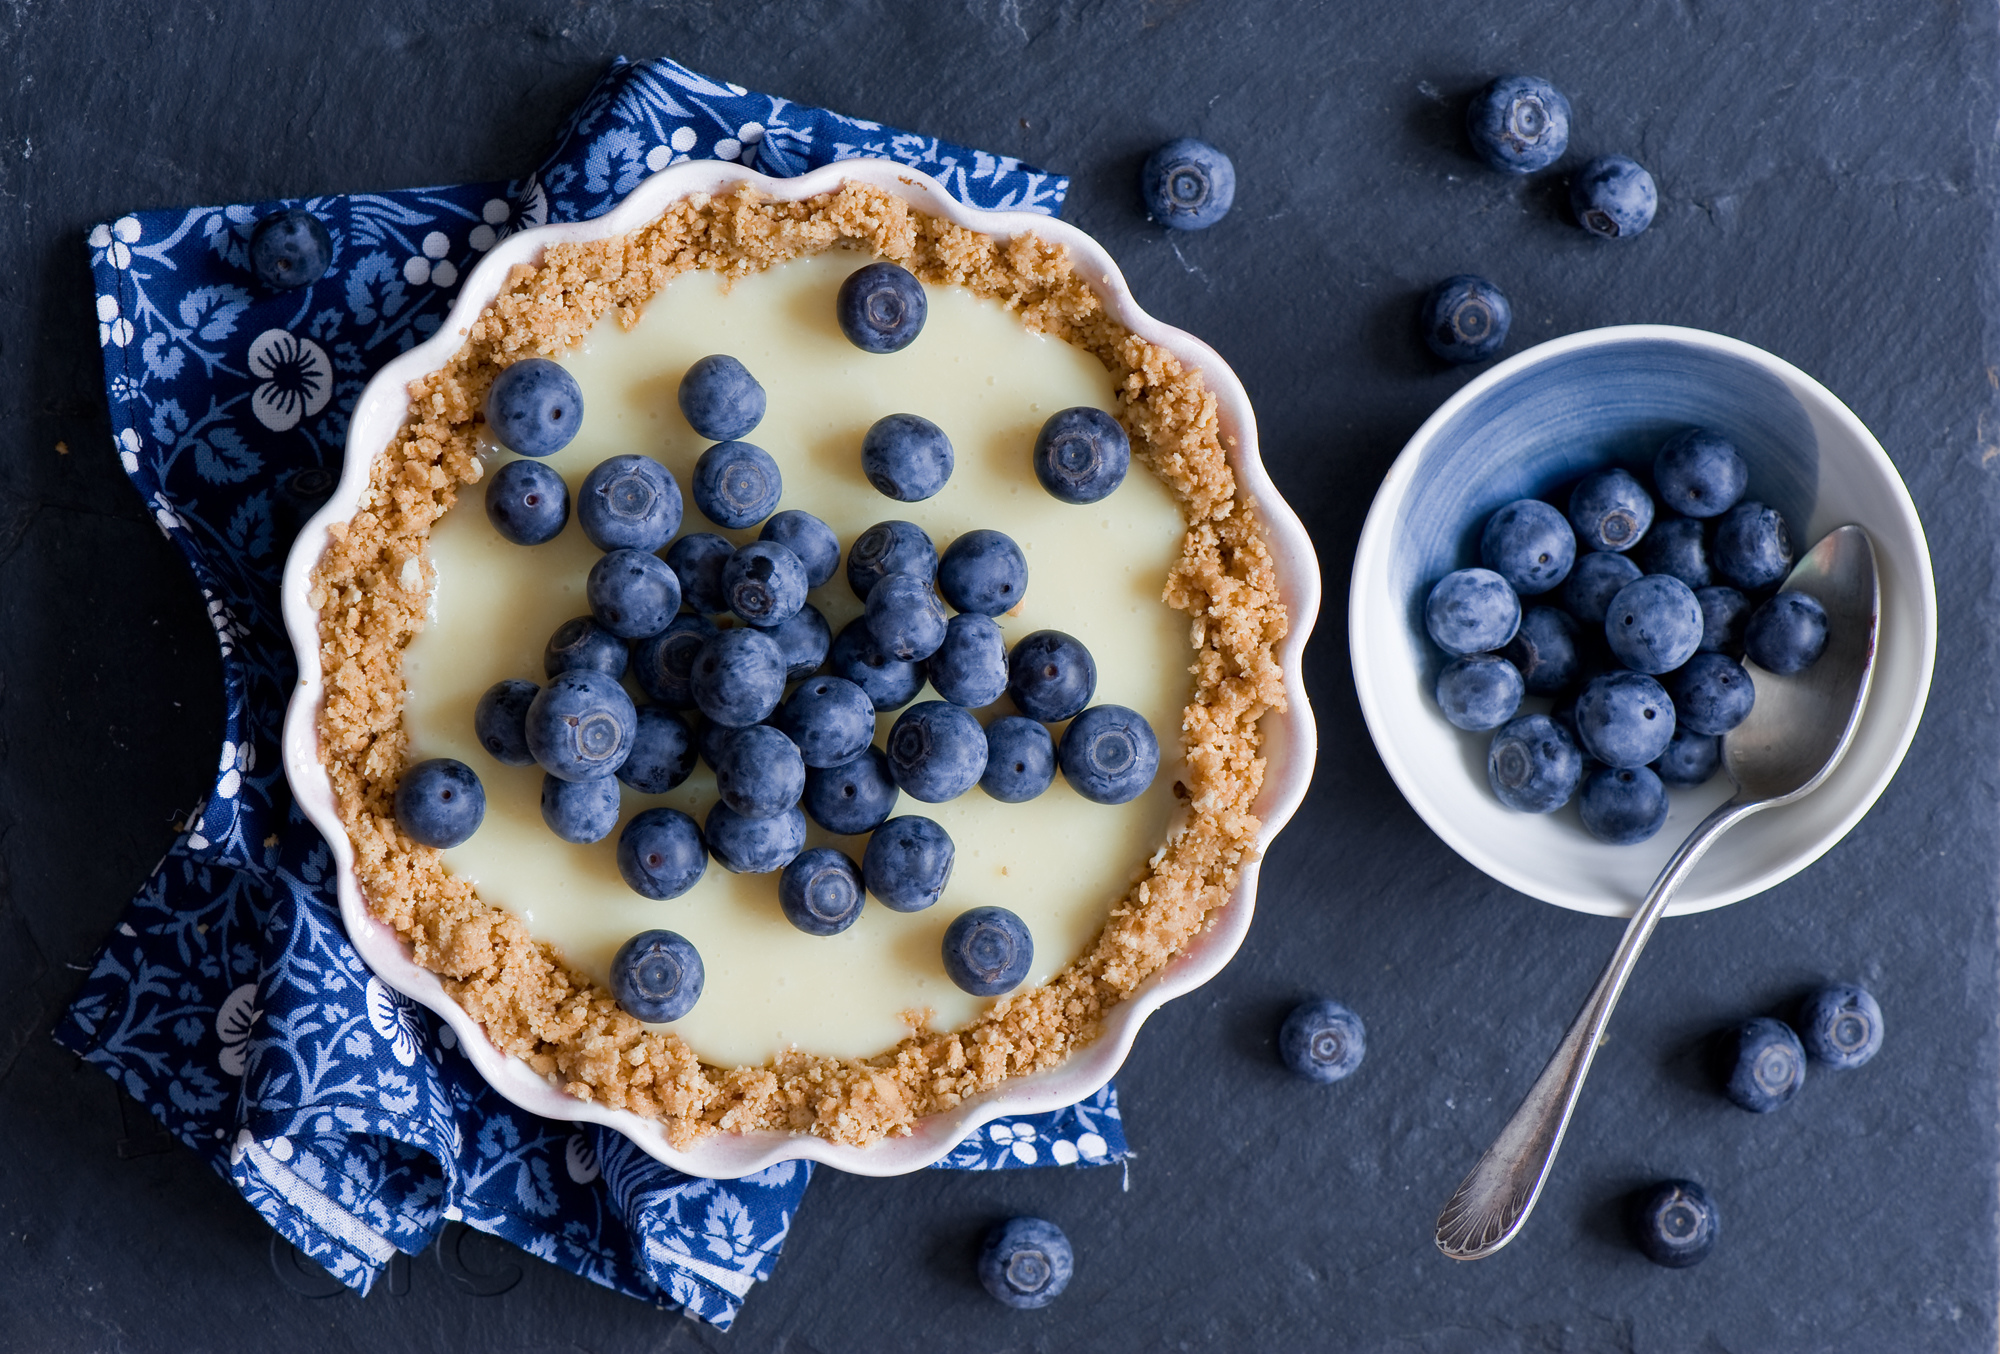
{"points": [[1827, 177]]}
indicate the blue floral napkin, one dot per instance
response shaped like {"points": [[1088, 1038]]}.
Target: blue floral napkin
{"points": [[228, 1000]]}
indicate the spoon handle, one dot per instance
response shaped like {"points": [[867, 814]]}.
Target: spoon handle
{"points": [[1489, 1206]]}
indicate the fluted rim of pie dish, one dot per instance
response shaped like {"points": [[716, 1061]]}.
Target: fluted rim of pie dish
{"points": [[1290, 737]]}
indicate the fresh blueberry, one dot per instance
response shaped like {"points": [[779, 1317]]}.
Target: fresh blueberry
{"points": [[736, 484], [580, 811], [1479, 691], [1051, 676], [1543, 651], [1529, 544], [1518, 124], [697, 560], [1622, 804], [1025, 1262], [906, 457], [1676, 1224], [581, 643], [662, 753], [855, 797], [663, 664], [970, 667], [290, 249], [881, 308], [1769, 1067], [908, 863], [983, 572], [1690, 758], [1610, 510], [1753, 549], [656, 976], [1840, 1026], [711, 742], [629, 503], [1020, 759], [1591, 585], [821, 891], [937, 751], [886, 548], [1711, 694], [891, 683], [632, 593], [759, 773], [829, 719], [738, 677], [764, 583], [1678, 546], [1109, 754], [500, 721], [1654, 625], [1533, 765], [527, 502], [582, 725], [905, 618], [807, 537], [1472, 611], [661, 854], [1466, 318], [1613, 197], [1787, 634], [1187, 184], [440, 802], [804, 639], [1699, 473], [1081, 454], [535, 407], [1624, 718], [988, 951], [1322, 1041], [720, 399], [1723, 614], [753, 845]]}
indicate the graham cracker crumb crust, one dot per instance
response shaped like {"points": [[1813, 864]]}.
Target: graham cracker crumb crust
{"points": [[370, 591]]}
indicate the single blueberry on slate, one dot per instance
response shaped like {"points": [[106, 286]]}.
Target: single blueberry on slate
{"points": [[1465, 319], [988, 951], [1840, 1026], [440, 802], [1472, 611], [937, 751], [753, 845], [1593, 582], [1787, 634], [1518, 124], [1690, 758], [736, 484], [1753, 549], [697, 559], [1109, 754], [1543, 651], [1082, 454], [1613, 197], [1699, 473], [581, 725], [821, 891], [1025, 1262], [527, 502], [1654, 625], [1677, 546], [983, 572], [582, 643], [535, 407], [1769, 1067], [580, 811], [1533, 765], [764, 583], [500, 721], [738, 677], [891, 683], [759, 773], [1322, 1041], [856, 796], [1711, 694], [663, 752], [1610, 510], [804, 640], [892, 547], [906, 456], [908, 863], [1051, 676], [970, 667], [720, 399], [656, 976], [1529, 544], [1479, 691], [807, 537], [1020, 759], [1622, 805], [632, 593], [905, 618], [661, 854], [829, 719], [1187, 184], [629, 503], [663, 664], [1676, 1224], [1724, 612], [290, 249], [881, 308], [1624, 718]]}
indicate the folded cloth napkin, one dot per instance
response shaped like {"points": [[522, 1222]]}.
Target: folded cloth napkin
{"points": [[228, 1000]]}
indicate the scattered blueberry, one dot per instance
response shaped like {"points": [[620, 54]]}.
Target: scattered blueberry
{"points": [[698, 559], [807, 537], [829, 719], [881, 308], [1051, 676], [720, 399], [753, 845], [535, 407], [1770, 1065], [1322, 1041], [886, 548], [1533, 765], [1840, 1026], [821, 891], [738, 677], [663, 664], [1678, 546], [970, 667], [1025, 1262], [1699, 473], [1753, 549], [500, 721], [764, 583], [1593, 582], [736, 484], [527, 502], [1624, 718], [1472, 611], [1724, 611], [804, 640], [440, 802], [1479, 691], [905, 618], [661, 854], [983, 572], [1676, 1224], [1082, 454], [290, 249], [1787, 634], [581, 643], [1711, 694], [1543, 651], [1529, 544], [759, 773], [662, 753], [1689, 759], [988, 951], [580, 811], [906, 457], [1020, 759], [1187, 184], [891, 683], [1613, 197], [1622, 805], [1610, 510], [629, 503], [632, 593], [937, 751], [1466, 318], [855, 797], [1518, 124], [656, 976], [908, 863], [1109, 754], [581, 725], [1654, 625]]}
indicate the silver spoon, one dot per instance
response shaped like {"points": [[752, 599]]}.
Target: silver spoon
{"points": [[1796, 734]]}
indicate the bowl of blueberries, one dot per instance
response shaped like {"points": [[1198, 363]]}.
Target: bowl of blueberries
{"points": [[1571, 581]]}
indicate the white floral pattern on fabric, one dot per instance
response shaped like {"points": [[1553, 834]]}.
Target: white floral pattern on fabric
{"points": [[298, 379]]}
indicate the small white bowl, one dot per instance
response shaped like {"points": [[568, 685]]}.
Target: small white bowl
{"points": [[1541, 420], [1290, 738]]}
